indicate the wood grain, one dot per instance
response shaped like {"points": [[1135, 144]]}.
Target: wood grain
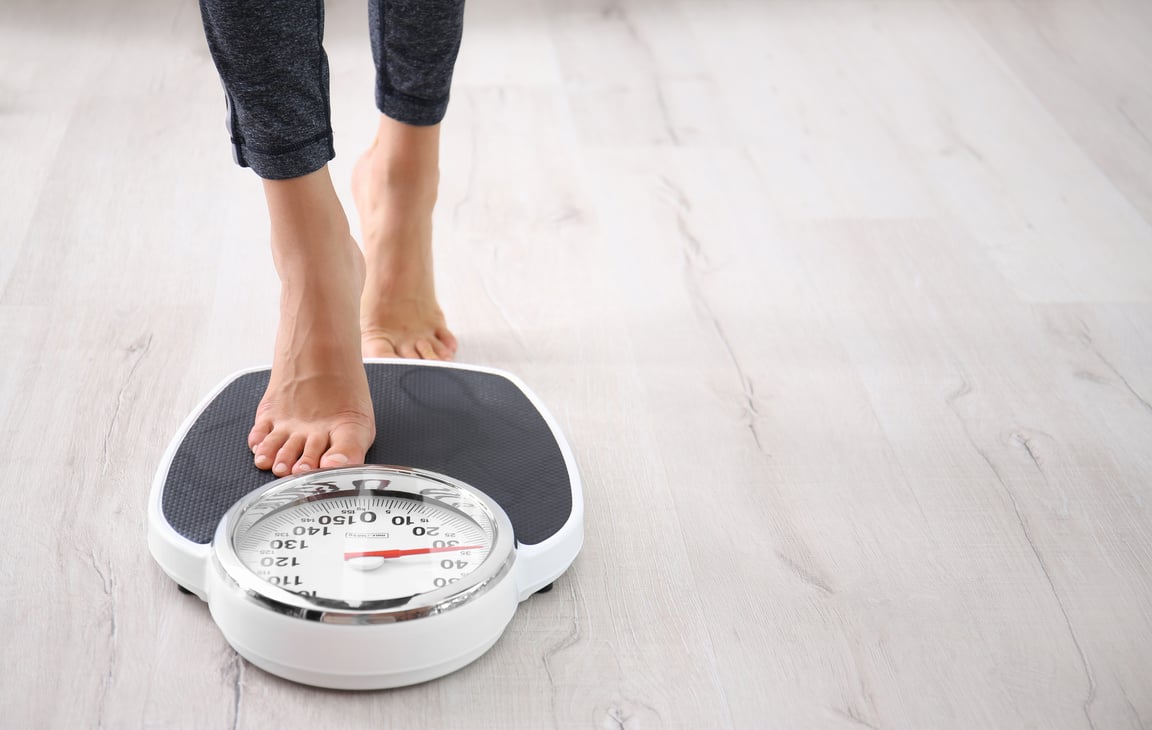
{"points": [[845, 307]]}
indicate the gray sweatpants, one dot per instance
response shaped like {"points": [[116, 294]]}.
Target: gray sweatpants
{"points": [[271, 59]]}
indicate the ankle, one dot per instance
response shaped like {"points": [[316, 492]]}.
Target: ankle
{"points": [[308, 226], [309, 201], [402, 165], [398, 180]]}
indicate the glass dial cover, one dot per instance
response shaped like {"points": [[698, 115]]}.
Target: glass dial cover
{"points": [[359, 544]]}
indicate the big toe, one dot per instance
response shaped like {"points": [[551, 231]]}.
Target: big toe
{"points": [[378, 346], [448, 341], [350, 443]]}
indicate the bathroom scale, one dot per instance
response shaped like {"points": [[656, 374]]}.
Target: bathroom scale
{"points": [[375, 576]]}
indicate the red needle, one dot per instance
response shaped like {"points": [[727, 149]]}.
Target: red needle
{"points": [[414, 551]]}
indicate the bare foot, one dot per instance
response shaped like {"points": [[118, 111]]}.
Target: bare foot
{"points": [[317, 411], [394, 184]]}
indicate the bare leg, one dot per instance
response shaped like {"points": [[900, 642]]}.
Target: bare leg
{"points": [[317, 411], [394, 185]]}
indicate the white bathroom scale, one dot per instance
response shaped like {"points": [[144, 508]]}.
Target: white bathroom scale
{"points": [[382, 575]]}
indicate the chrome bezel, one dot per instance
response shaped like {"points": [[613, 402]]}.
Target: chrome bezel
{"points": [[239, 577]]}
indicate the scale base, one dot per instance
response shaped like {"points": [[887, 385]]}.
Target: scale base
{"points": [[359, 682], [479, 425]]}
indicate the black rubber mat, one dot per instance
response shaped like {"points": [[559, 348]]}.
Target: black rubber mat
{"points": [[476, 427]]}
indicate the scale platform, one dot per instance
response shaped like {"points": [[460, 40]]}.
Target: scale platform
{"points": [[480, 426]]}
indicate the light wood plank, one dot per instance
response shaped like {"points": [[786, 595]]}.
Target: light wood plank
{"points": [[844, 307]]}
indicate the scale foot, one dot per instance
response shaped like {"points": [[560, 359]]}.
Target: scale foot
{"points": [[545, 589], [187, 592]]}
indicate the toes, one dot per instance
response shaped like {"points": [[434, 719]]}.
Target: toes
{"points": [[332, 458], [267, 449], [286, 454], [376, 346], [258, 433], [449, 341], [313, 450], [425, 350], [408, 350], [349, 444], [440, 346], [441, 350], [289, 454]]}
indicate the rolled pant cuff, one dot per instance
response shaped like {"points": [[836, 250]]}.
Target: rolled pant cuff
{"points": [[287, 161], [410, 110]]}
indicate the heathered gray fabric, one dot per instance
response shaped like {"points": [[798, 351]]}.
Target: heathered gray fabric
{"points": [[271, 60], [414, 45]]}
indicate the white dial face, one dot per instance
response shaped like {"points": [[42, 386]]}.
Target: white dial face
{"points": [[364, 545]]}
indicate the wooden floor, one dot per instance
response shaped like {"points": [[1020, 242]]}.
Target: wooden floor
{"points": [[845, 305]]}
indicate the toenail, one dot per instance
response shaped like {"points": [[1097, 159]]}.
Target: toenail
{"points": [[337, 458], [280, 466], [303, 468], [261, 461]]}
